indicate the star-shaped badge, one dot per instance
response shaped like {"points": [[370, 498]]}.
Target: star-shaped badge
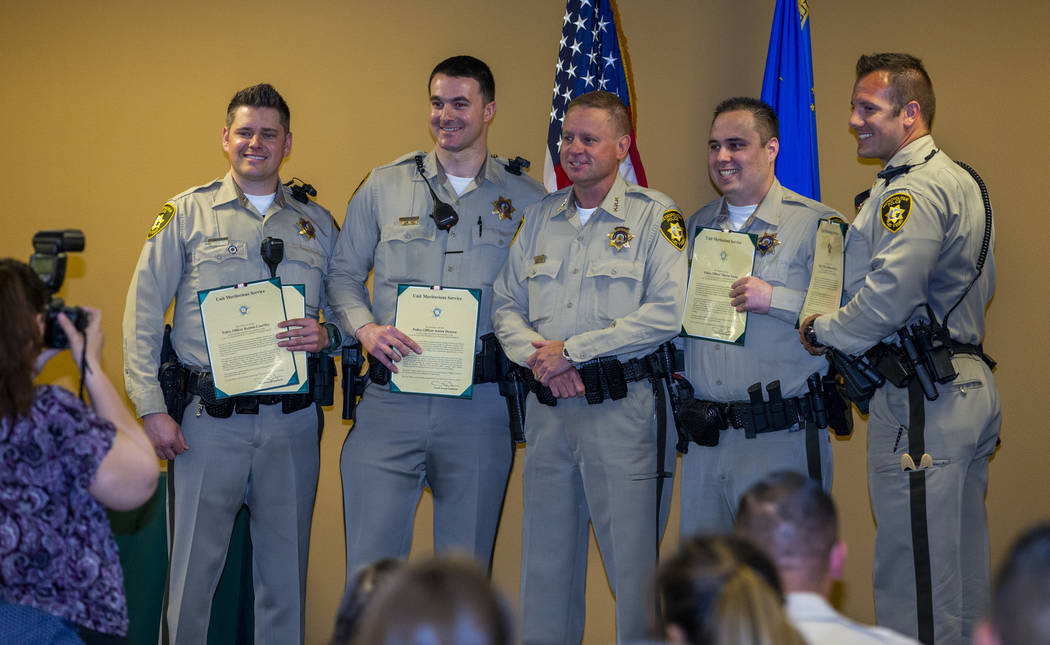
{"points": [[620, 238], [503, 207], [306, 228], [767, 243]]}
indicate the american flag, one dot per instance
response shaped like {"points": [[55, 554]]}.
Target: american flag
{"points": [[589, 58]]}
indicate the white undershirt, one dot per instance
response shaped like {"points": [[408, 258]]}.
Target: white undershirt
{"points": [[738, 215], [585, 214], [458, 183], [262, 202]]}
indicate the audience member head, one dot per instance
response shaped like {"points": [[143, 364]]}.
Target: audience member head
{"points": [[792, 519], [359, 594], [1020, 612], [444, 601], [721, 591], [23, 298]]}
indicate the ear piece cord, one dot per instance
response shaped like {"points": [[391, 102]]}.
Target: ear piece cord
{"points": [[443, 214]]}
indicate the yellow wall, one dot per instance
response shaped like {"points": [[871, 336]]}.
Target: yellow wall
{"points": [[110, 108]]}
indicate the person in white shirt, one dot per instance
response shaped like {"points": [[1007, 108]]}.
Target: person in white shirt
{"points": [[792, 519]]}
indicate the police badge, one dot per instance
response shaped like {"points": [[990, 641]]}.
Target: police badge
{"points": [[620, 238], [306, 228], [767, 243], [503, 207]]}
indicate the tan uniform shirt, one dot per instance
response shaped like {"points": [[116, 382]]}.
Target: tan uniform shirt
{"points": [[388, 228], [213, 240], [771, 351], [570, 283], [915, 241]]}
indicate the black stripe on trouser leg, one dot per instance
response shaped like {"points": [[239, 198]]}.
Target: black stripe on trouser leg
{"points": [[165, 637], [813, 451], [920, 538]]}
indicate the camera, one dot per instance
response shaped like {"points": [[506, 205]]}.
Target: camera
{"points": [[49, 262]]}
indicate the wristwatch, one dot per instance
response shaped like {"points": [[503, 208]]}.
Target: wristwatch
{"points": [[565, 355], [335, 337], [810, 335]]}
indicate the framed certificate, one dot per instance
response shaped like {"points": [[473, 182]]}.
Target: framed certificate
{"points": [[295, 307], [825, 280], [719, 259], [444, 322], [240, 333]]}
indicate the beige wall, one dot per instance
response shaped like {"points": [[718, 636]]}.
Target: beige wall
{"points": [[111, 108]]}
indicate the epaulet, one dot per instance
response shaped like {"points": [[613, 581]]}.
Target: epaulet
{"points": [[211, 185], [403, 159], [651, 194]]}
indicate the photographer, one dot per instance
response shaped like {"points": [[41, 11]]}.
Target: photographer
{"points": [[61, 462]]}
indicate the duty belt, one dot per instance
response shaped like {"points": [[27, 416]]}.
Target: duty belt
{"points": [[200, 383], [757, 418], [603, 378]]}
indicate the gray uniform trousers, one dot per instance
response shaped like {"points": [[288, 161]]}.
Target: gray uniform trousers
{"points": [[588, 463], [962, 427], [459, 448], [717, 476], [270, 457]]}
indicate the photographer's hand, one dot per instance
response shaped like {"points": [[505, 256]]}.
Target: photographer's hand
{"points": [[165, 435]]}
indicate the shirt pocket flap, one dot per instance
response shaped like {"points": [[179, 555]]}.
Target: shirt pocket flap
{"points": [[548, 268], [616, 268], [220, 252]]}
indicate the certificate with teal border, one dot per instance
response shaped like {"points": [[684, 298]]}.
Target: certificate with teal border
{"points": [[444, 323], [240, 333], [719, 259]]}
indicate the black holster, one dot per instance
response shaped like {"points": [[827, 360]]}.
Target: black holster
{"points": [[172, 379], [353, 360]]}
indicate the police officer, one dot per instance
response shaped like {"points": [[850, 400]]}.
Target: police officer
{"points": [[742, 152], [597, 271], [265, 452], [912, 255], [459, 448]]}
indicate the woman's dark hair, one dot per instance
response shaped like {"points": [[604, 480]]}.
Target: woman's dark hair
{"points": [[22, 296], [721, 590]]}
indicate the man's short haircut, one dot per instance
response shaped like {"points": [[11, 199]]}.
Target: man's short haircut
{"points": [[1021, 595], [468, 67], [260, 96], [766, 121], [607, 101], [908, 81], [792, 519]]}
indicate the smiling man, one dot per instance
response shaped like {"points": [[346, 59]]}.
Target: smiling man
{"points": [[256, 450], [459, 448], [914, 256], [742, 153], [593, 286]]}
